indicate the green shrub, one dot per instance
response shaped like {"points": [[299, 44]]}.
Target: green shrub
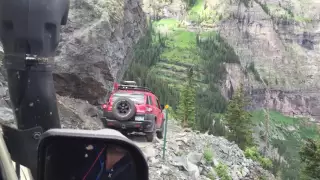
{"points": [[222, 172], [262, 178], [266, 162], [252, 153], [208, 154], [211, 176]]}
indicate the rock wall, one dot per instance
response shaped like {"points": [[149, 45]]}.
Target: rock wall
{"points": [[285, 51], [234, 76], [282, 39], [96, 47], [291, 103]]}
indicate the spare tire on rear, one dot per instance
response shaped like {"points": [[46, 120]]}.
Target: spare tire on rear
{"points": [[123, 109]]}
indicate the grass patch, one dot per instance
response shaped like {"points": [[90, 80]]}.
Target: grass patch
{"points": [[198, 13], [253, 154], [178, 63], [222, 172], [173, 67], [181, 47], [302, 19], [181, 75], [211, 176], [308, 130], [182, 39], [166, 25], [208, 154], [275, 117], [180, 43]]}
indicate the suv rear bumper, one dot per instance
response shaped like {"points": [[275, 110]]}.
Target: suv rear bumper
{"points": [[137, 126]]}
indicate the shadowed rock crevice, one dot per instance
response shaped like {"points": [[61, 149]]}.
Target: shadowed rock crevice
{"points": [[71, 85]]}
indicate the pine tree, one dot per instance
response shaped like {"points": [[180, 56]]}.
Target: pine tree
{"points": [[310, 157], [239, 120], [186, 107], [266, 135]]}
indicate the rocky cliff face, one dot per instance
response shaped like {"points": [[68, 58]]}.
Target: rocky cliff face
{"points": [[96, 47], [292, 103], [281, 38]]}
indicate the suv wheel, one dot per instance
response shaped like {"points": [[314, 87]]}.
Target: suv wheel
{"points": [[161, 130], [123, 109], [150, 135]]}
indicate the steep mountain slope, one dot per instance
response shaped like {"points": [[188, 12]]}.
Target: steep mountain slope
{"points": [[193, 156], [276, 42], [281, 139]]}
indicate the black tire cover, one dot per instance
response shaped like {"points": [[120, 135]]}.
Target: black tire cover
{"points": [[126, 116]]}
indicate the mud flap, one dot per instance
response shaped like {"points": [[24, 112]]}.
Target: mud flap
{"points": [[150, 127]]}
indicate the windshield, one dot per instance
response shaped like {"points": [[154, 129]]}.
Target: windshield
{"points": [[205, 78], [137, 98]]}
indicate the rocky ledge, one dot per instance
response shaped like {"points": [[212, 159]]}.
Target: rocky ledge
{"points": [[185, 157]]}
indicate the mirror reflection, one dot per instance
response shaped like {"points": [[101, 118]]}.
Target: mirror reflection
{"points": [[78, 159]]}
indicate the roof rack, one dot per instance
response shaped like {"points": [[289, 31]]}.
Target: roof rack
{"points": [[130, 87], [133, 83]]}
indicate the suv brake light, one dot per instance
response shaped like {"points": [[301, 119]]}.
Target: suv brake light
{"points": [[107, 107], [104, 106]]}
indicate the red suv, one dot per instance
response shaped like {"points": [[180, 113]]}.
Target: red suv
{"points": [[131, 108]]}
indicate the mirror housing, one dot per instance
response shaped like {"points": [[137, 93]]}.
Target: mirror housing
{"points": [[73, 139], [162, 106]]}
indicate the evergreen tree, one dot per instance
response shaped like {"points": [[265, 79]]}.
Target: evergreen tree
{"points": [[310, 157], [239, 120], [186, 107]]}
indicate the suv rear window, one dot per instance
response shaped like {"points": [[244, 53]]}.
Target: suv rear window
{"points": [[138, 98]]}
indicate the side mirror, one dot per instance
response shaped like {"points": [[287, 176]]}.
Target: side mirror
{"points": [[89, 154], [161, 106]]}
